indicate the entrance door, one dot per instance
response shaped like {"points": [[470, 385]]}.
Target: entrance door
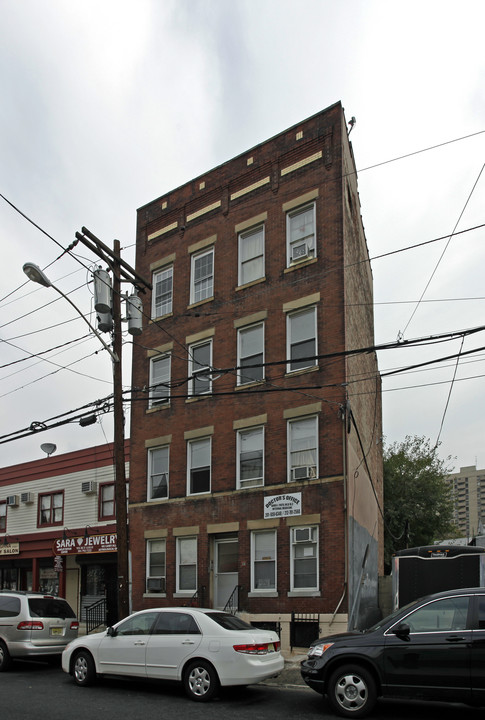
{"points": [[226, 570]]}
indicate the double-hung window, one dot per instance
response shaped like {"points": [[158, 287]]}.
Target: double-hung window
{"points": [[199, 466], [106, 501], [51, 509], [162, 293], [156, 566], [300, 233], [3, 516], [304, 558], [158, 459], [200, 362], [263, 561], [186, 564], [202, 276], [160, 380], [250, 457], [302, 339], [303, 448], [251, 255], [250, 354]]}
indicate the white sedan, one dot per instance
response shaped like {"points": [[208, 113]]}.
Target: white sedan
{"points": [[202, 648]]}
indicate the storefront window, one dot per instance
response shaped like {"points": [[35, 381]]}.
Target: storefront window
{"points": [[48, 581]]}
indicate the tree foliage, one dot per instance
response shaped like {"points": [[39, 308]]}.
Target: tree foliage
{"points": [[418, 505]]}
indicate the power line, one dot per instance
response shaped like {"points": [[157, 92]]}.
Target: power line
{"points": [[445, 249]]}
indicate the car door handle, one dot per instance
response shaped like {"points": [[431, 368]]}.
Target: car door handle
{"points": [[187, 642], [455, 638], [139, 642]]}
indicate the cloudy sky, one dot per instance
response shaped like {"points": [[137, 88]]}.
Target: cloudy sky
{"points": [[108, 104]]}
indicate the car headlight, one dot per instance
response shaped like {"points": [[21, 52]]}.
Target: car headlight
{"points": [[318, 650]]}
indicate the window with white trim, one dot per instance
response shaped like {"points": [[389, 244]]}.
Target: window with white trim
{"points": [[251, 255], [302, 448], [160, 380], [300, 234], [250, 346], [156, 577], [263, 561], [158, 464], [186, 564], [250, 457], [304, 558], [199, 466], [162, 293], [302, 339], [200, 368], [202, 276]]}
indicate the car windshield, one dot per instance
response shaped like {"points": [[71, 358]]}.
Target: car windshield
{"points": [[229, 622], [50, 608]]}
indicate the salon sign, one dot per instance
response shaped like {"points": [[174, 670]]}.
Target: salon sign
{"points": [[86, 545], [282, 505]]}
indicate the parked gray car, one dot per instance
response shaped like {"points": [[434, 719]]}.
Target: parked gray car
{"points": [[34, 625]]}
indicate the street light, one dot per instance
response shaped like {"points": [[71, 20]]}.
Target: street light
{"points": [[35, 274]]}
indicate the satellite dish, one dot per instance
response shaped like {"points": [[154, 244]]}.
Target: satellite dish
{"points": [[48, 448]]}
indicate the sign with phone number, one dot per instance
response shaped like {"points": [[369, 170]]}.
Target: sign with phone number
{"points": [[282, 505]]}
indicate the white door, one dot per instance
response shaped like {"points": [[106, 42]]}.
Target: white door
{"points": [[226, 570]]}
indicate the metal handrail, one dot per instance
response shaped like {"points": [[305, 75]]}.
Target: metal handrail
{"points": [[95, 615], [232, 605]]}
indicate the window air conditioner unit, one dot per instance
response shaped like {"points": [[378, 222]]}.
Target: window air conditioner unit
{"points": [[88, 487], [303, 534], [12, 500], [303, 472], [27, 498], [300, 251], [156, 584]]}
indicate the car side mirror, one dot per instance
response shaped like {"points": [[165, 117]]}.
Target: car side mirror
{"points": [[402, 631], [111, 632]]}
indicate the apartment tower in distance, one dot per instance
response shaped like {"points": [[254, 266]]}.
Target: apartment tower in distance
{"points": [[468, 493], [256, 457]]}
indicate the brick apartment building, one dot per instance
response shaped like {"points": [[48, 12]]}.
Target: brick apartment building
{"points": [[256, 467]]}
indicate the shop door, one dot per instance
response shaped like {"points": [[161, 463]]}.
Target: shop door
{"points": [[98, 582], [226, 570]]}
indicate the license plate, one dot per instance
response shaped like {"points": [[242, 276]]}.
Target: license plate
{"points": [[56, 631], [271, 647]]}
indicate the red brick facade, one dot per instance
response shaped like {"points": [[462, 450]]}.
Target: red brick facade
{"points": [[309, 166]]}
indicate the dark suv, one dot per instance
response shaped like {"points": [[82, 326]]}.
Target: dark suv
{"points": [[432, 649], [34, 625]]}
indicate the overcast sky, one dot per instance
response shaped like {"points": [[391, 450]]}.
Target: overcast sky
{"points": [[108, 104]]}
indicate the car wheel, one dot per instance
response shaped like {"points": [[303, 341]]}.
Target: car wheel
{"points": [[83, 669], [352, 691], [5, 659], [200, 681]]}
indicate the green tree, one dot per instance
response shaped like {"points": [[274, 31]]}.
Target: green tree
{"points": [[418, 505]]}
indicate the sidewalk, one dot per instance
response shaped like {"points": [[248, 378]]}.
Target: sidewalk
{"points": [[290, 675]]}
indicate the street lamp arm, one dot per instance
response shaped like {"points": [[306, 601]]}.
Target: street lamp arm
{"points": [[114, 356], [35, 274]]}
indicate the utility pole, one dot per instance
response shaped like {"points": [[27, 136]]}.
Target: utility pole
{"points": [[119, 446], [121, 271]]}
